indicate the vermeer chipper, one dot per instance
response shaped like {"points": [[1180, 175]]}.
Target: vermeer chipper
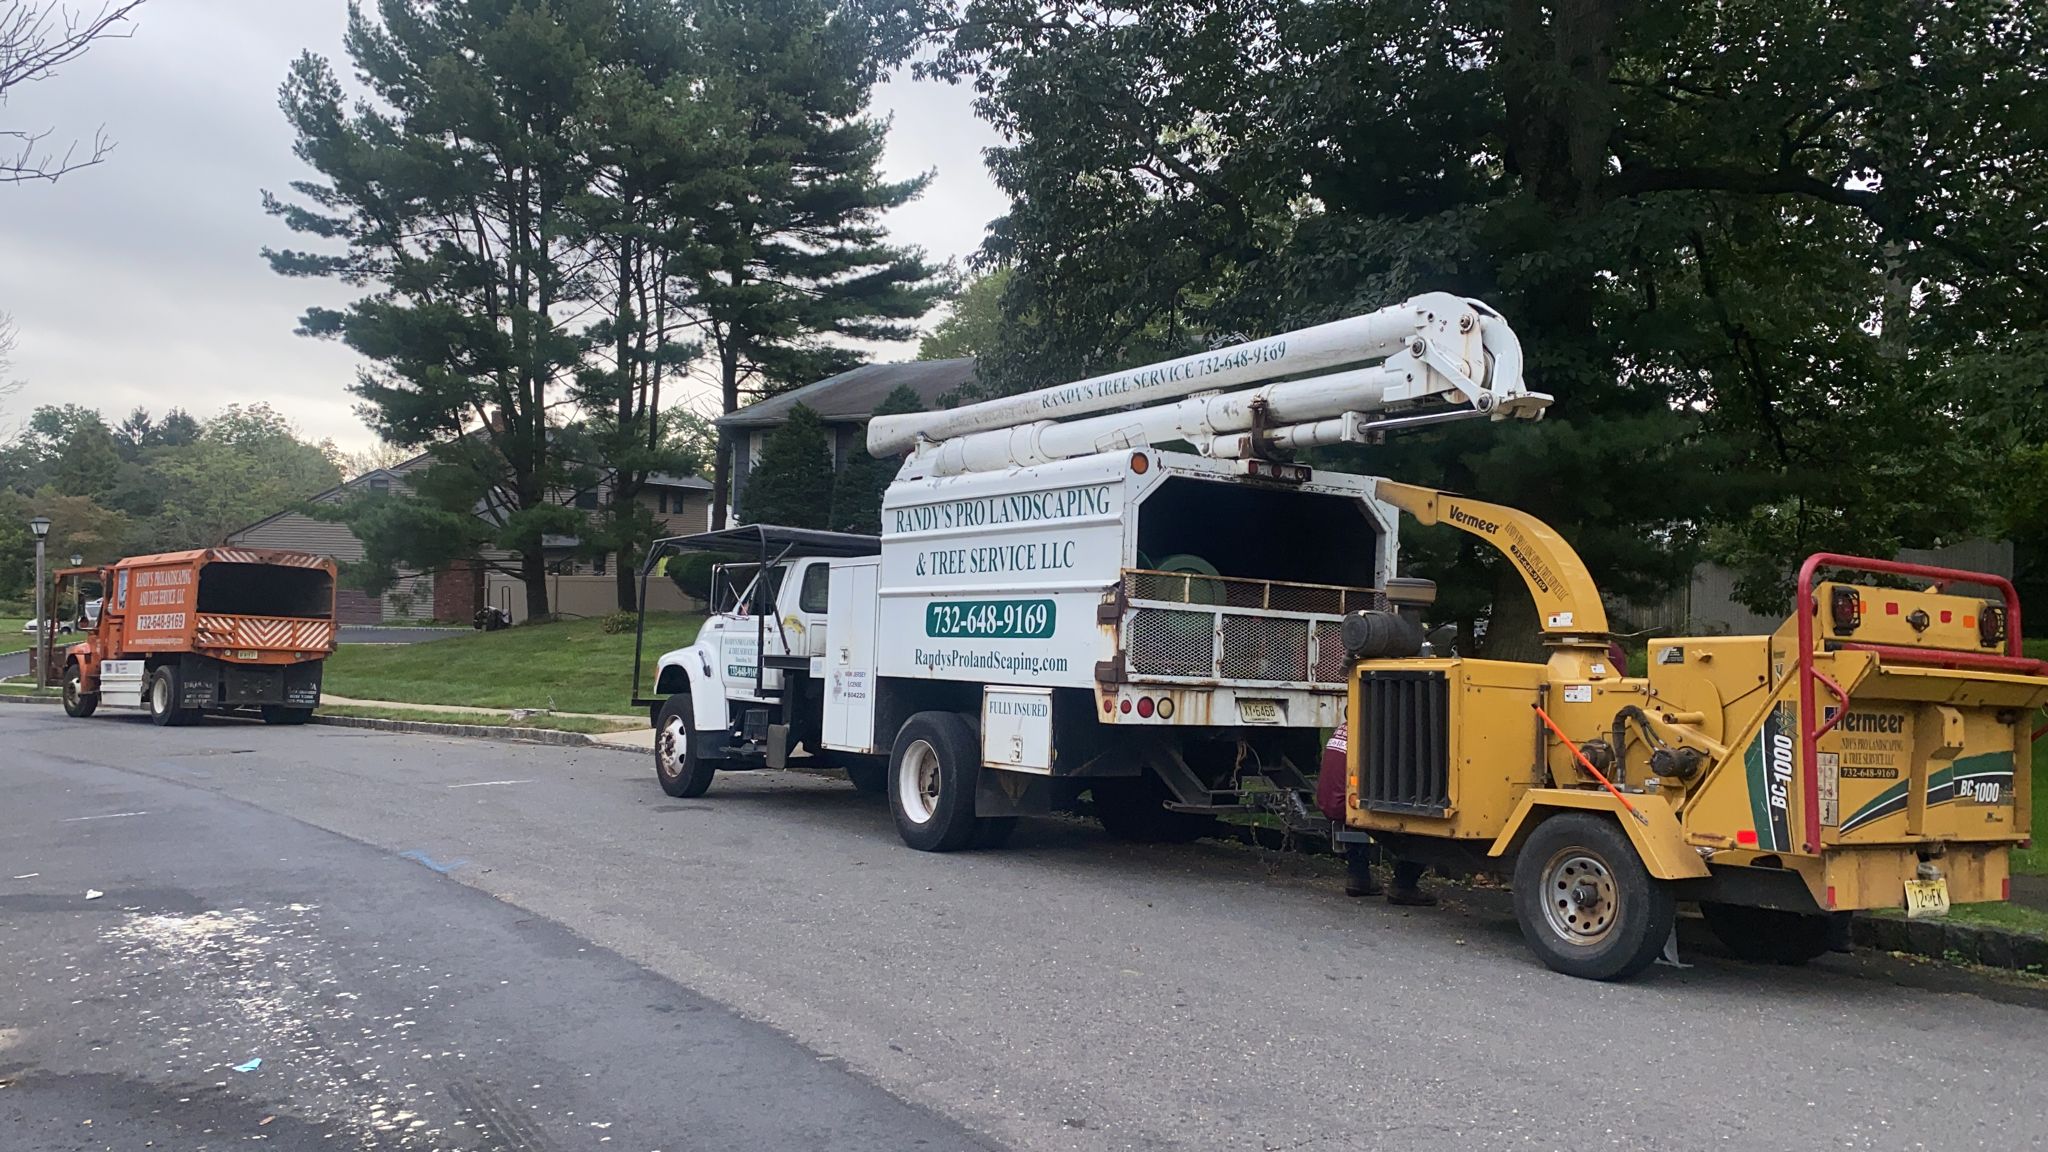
{"points": [[1873, 752]]}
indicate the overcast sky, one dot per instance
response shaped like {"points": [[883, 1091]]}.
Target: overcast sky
{"points": [[140, 281]]}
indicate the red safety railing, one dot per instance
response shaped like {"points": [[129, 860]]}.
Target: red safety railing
{"points": [[1806, 609]]}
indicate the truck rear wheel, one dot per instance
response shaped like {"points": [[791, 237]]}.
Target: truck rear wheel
{"points": [[160, 699], [678, 768], [1767, 935], [1587, 905], [77, 701], [932, 775]]}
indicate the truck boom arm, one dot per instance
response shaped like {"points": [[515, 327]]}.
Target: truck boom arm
{"points": [[1431, 358], [1566, 599]]}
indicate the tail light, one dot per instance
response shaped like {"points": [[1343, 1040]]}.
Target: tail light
{"points": [[1991, 625], [1845, 608]]}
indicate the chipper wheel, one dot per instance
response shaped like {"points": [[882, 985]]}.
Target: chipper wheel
{"points": [[77, 701], [1587, 906]]}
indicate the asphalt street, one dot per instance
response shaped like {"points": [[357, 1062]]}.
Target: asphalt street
{"points": [[440, 943]]}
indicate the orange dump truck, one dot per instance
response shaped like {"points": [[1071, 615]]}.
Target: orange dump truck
{"points": [[213, 630]]}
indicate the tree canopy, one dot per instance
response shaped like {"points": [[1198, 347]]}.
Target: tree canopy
{"points": [[1781, 263]]}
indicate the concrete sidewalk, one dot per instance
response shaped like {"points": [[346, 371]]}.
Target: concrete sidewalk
{"points": [[641, 738]]}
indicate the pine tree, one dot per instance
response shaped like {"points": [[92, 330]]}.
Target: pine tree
{"points": [[792, 485], [451, 189], [799, 255], [857, 488]]}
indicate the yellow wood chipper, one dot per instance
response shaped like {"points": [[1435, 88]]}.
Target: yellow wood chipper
{"points": [[1871, 753]]}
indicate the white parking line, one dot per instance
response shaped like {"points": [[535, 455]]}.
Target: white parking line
{"points": [[489, 783], [106, 816]]}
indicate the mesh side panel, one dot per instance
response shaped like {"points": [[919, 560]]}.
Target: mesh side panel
{"points": [[1235, 592], [1262, 648], [1308, 598], [1163, 642], [1329, 653]]}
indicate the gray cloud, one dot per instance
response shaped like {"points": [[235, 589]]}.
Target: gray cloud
{"points": [[139, 281]]}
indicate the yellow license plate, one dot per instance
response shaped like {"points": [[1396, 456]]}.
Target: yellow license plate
{"points": [[1261, 712], [247, 654], [1926, 898]]}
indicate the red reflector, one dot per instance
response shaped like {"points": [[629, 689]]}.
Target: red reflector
{"points": [[1145, 706], [1108, 704], [1891, 607], [1746, 836], [1947, 616], [1124, 707], [2005, 888], [1831, 895]]}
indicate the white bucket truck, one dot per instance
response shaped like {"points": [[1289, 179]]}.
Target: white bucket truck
{"points": [[1058, 603]]}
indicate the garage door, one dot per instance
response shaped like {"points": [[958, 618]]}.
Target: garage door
{"points": [[353, 607]]}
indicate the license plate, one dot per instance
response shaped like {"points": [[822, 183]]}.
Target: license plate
{"points": [[1261, 712], [1926, 898], [246, 654]]}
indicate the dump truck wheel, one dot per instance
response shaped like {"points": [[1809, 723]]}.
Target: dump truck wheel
{"points": [[678, 768], [932, 773], [280, 714], [78, 702], [1766, 935], [868, 776], [160, 699], [1586, 904], [1134, 808]]}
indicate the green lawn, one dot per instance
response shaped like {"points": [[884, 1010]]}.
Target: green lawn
{"points": [[570, 666], [2034, 861], [11, 635], [586, 724]]}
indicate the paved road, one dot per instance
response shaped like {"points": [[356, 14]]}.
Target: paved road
{"points": [[1066, 993]]}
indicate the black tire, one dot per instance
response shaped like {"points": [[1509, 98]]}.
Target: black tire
{"points": [[160, 699], [933, 770], [1767, 935], [77, 702], [1133, 808], [678, 768], [281, 714], [1587, 905], [869, 776]]}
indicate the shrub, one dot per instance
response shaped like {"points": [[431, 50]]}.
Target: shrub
{"points": [[618, 622]]}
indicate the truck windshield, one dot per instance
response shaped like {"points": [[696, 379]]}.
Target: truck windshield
{"points": [[265, 590]]}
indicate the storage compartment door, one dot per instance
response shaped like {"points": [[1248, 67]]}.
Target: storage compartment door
{"points": [[850, 658], [1016, 729]]}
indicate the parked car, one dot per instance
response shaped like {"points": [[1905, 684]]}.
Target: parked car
{"points": [[64, 628]]}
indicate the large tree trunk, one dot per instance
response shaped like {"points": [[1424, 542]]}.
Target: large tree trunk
{"points": [[533, 573], [626, 577], [1512, 630], [722, 479]]}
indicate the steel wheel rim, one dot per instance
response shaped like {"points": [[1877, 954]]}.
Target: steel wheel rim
{"points": [[1581, 901], [72, 689], [917, 781], [672, 750], [160, 695]]}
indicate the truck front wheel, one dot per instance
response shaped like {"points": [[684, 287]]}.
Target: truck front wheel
{"points": [[931, 782], [678, 768], [1587, 905], [77, 701]]}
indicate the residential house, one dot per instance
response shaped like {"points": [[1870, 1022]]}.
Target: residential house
{"points": [[844, 402], [579, 586]]}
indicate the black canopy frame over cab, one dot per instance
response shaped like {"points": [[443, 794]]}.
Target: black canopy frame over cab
{"points": [[770, 545]]}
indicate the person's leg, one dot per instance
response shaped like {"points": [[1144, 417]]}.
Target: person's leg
{"points": [[1358, 875], [1407, 890]]}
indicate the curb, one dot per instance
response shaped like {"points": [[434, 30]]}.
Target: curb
{"points": [[16, 698], [473, 731], [1947, 940]]}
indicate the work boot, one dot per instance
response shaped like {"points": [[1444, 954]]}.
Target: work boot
{"points": [[1359, 878], [1411, 898]]}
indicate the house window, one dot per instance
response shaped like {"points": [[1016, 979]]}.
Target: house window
{"points": [[380, 485], [597, 565], [587, 500], [661, 501]]}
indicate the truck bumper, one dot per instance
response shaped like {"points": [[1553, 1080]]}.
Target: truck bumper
{"points": [[204, 682]]}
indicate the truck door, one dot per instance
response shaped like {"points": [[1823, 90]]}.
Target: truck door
{"points": [[850, 657]]}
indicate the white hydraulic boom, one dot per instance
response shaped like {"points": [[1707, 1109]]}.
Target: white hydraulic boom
{"points": [[1432, 358]]}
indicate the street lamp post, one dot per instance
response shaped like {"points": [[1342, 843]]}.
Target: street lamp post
{"points": [[40, 526]]}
